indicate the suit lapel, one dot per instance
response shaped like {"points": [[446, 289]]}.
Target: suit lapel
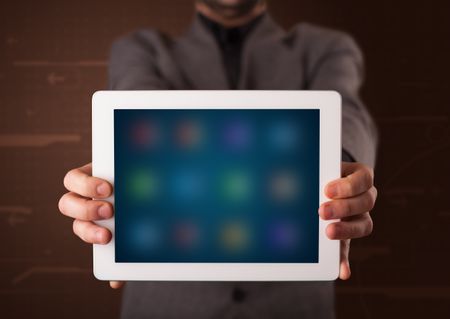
{"points": [[200, 59], [268, 61], [263, 31]]}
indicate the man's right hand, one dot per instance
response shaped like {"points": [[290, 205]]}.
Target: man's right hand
{"points": [[78, 204]]}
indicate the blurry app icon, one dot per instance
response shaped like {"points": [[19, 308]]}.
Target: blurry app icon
{"points": [[188, 134], [237, 134], [283, 186], [188, 185], [186, 235], [145, 134], [283, 236], [143, 185], [146, 235], [234, 236], [283, 136], [236, 186]]}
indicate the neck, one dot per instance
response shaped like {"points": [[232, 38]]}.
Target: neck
{"points": [[230, 22]]}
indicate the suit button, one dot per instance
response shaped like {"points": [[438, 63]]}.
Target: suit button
{"points": [[238, 295]]}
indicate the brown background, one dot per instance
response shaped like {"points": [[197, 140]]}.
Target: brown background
{"points": [[53, 56]]}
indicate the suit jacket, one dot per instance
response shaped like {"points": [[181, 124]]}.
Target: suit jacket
{"points": [[306, 58]]}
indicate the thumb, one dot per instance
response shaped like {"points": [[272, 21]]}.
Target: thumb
{"points": [[344, 269], [116, 284]]}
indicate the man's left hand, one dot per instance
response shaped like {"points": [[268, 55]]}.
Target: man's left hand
{"points": [[352, 198]]}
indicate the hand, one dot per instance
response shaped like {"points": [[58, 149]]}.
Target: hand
{"points": [[78, 204], [352, 198]]}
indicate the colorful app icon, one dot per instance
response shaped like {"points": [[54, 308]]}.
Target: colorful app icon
{"points": [[186, 235], [236, 186], [145, 134], [143, 185], [234, 236], [283, 186], [283, 136], [188, 185], [188, 134], [283, 236], [237, 134]]}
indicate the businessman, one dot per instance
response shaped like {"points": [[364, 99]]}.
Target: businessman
{"points": [[235, 44]]}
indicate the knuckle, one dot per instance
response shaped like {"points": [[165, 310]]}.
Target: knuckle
{"points": [[359, 166], [350, 231], [369, 227], [75, 227], [350, 207], [91, 208], [79, 230], [89, 185], [61, 203], [374, 194], [68, 177], [335, 231], [370, 170], [368, 178], [372, 198], [85, 181], [349, 187], [368, 201], [345, 208]]}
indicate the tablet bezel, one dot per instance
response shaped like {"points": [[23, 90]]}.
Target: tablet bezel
{"points": [[328, 102]]}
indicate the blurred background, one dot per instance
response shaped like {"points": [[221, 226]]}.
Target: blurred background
{"points": [[53, 56]]}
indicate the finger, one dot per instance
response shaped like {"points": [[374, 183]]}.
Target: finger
{"points": [[357, 182], [348, 168], [116, 284], [344, 269], [91, 233], [80, 181], [342, 208], [78, 207], [356, 227], [87, 169]]}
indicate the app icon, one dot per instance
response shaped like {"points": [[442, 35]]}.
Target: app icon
{"points": [[283, 136], [188, 134], [237, 134], [188, 185], [283, 186], [283, 236], [145, 134], [186, 235], [234, 236], [236, 186], [143, 184], [146, 235]]}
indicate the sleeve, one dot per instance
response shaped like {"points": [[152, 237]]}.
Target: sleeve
{"points": [[338, 65], [133, 64]]}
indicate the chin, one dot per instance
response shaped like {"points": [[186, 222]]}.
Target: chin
{"points": [[232, 8]]}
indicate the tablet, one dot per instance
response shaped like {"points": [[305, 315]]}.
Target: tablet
{"points": [[217, 185]]}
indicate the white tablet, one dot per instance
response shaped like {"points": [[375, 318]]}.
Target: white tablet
{"points": [[217, 185]]}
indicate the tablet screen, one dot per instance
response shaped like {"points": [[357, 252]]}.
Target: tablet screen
{"points": [[223, 185]]}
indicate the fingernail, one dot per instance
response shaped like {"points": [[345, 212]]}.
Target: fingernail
{"points": [[332, 190], [104, 211], [328, 212], [102, 189], [99, 236]]}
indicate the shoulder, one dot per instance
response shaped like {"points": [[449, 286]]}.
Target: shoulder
{"points": [[142, 40], [322, 40]]}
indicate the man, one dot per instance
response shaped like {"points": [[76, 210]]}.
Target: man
{"points": [[234, 44]]}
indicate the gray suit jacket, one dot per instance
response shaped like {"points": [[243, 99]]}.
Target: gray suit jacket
{"points": [[306, 58]]}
